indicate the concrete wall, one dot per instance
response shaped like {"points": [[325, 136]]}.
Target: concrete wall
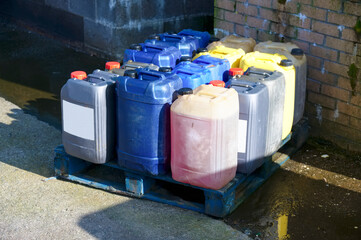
{"points": [[110, 26], [324, 30]]}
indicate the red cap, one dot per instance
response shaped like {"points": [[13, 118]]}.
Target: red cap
{"points": [[218, 83], [81, 75], [111, 65], [235, 71]]}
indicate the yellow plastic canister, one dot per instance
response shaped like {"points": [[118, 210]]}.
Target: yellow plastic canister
{"points": [[231, 54], [296, 55], [232, 41], [276, 62]]}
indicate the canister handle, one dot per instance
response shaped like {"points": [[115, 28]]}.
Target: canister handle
{"points": [[252, 71]]}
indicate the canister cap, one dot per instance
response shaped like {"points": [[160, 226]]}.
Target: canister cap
{"points": [[135, 46], [165, 69], [186, 59], [213, 39], [111, 65], [185, 91], [199, 50], [218, 83], [130, 73], [235, 71], [286, 63], [81, 75], [154, 36], [297, 51]]}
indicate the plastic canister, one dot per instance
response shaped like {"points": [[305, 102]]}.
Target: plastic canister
{"points": [[275, 83], [253, 122], [130, 65], [204, 137], [202, 37], [143, 120], [218, 67], [161, 56], [187, 45], [296, 54], [192, 74], [231, 54], [272, 62], [88, 114], [232, 41]]}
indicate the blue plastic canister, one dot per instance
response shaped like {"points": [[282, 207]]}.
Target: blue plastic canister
{"points": [[219, 67], [143, 120], [187, 45], [162, 56], [192, 74], [203, 37]]}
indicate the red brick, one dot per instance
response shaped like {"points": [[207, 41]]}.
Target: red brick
{"points": [[352, 8], [219, 13], [268, 14], [314, 61], [322, 100], [349, 34], [234, 17], [316, 74], [312, 12], [261, 3], [249, 10], [344, 83], [347, 59], [356, 100], [334, 116], [349, 109], [355, 122], [309, 36], [328, 4], [225, 4], [265, 36], [294, 20], [342, 19], [290, 7], [312, 85], [305, 46], [224, 25], [336, 68], [339, 44], [258, 23], [335, 92], [323, 52], [325, 28], [246, 31]]}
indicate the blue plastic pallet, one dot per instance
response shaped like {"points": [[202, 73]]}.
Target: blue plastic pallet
{"points": [[218, 203]]}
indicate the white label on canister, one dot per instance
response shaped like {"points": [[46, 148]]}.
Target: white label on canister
{"points": [[242, 135], [78, 120]]}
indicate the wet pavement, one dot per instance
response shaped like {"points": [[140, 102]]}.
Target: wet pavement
{"points": [[315, 195]]}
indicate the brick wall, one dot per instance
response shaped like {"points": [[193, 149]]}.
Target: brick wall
{"points": [[110, 26], [324, 30]]}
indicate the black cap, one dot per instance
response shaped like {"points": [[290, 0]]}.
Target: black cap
{"points": [[186, 59], [130, 73], [297, 51], [137, 47], [185, 91], [286, 63], [199, 50], [154, 36], [165, 69], [213, 39]]}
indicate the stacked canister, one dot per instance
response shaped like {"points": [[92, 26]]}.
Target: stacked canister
{"points": [[184, 104]]}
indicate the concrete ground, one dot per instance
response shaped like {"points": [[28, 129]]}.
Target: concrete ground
{"points": [[32, 207]]}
